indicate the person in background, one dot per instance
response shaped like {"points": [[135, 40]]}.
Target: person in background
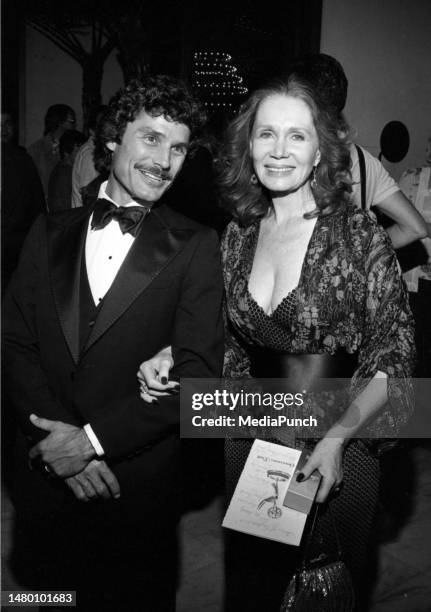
{"points": [[22, 200], [195, 192], [22, 197], [327, 76], [60, 180], [84, 170], [46, 151], [416, 185]]}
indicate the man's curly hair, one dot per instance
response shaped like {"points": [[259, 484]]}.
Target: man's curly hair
{"points": [[156, 95]]}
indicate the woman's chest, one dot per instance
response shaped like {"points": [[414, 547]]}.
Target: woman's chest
{"points": [[278, 262]]}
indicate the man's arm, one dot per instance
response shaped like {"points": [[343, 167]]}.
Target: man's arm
{"points": [[66, 450], [408, 225], [24, 379], [383, 193], [129, 425], [96, 481], [64, 455]]}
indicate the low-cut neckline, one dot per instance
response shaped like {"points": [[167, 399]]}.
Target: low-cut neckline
{"points": [[250, 267], [270, 315]]}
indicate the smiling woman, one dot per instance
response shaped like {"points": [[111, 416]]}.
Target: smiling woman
{"points": [[302, 125], [312, 285], [313, 290], [284, 151]]}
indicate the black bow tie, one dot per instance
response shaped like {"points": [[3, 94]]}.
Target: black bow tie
{"points": [[129, 217]]}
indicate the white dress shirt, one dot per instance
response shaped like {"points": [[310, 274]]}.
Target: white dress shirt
{"points": [[105, 252]]}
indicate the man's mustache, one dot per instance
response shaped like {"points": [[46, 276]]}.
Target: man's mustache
{"points": [[162, 174]]}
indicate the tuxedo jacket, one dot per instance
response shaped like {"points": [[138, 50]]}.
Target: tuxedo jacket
{"points": [[167, 292]]}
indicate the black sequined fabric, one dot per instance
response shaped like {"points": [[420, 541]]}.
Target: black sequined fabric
{"points": [[272, 327]]}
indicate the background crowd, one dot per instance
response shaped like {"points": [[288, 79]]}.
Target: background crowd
{"points": [[64, 170]]}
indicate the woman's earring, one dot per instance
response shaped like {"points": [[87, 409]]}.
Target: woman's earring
{"points": [[313, 183], [253, 179]]}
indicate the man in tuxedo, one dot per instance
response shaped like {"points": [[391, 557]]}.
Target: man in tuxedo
{"points": [[98, 290]]}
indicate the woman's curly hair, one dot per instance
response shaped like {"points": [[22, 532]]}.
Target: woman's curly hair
{"points": [[248, 200], [156, 95]]}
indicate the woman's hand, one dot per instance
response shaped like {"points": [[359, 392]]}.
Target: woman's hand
{"points": [[153, 376], [327, 458]]}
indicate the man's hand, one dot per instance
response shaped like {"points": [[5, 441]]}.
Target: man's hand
{"points": [[66, 451], [94, 482]]}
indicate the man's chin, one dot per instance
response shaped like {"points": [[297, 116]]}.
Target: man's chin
{"points": [[153, 195]]}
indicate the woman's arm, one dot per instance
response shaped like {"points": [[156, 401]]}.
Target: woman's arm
{"points": [[153, 374], [328, 452], [381, 390]]}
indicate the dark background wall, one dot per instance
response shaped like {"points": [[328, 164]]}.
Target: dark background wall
{"points": [[261, 44], [385, 48]]}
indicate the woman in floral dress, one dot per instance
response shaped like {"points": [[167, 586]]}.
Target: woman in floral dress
{"points": [[312, 287]]}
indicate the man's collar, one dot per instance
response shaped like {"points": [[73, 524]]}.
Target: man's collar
{"points": [[104, 195]]}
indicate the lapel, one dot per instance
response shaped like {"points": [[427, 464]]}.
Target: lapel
{"points": [[155, 246], [66, 242]]}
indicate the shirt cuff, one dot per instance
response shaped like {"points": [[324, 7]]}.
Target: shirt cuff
{"points": [[94, 440]]}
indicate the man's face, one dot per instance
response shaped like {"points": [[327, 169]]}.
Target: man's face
{"points": [[68, 123], [149, 157]]}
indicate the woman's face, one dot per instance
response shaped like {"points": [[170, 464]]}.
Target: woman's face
{"points": [[284, 145]]}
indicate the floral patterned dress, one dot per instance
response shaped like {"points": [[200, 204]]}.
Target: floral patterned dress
{"points": [[350, 297]]}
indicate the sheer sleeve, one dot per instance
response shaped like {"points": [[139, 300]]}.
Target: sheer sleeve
{"points": [[387, 337], [236, 360]]}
